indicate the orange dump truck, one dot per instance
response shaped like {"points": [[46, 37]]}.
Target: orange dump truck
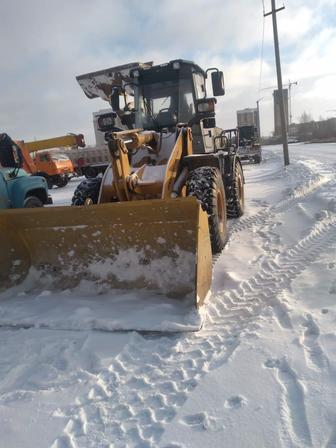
{"points": [[54, 165]]}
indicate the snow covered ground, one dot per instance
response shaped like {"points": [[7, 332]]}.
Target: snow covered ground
{"points": [[260, 373]]}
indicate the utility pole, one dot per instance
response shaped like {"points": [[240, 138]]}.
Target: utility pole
{"points": [[290, 84], [278, 69]]}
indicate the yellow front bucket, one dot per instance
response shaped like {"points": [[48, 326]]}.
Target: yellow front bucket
{"points": [[157, 245]]}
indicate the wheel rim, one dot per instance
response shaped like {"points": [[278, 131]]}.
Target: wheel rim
{"points": [[220, 212], [88, 201]]}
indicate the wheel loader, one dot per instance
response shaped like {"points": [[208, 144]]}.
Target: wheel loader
{"points": [[172, 147], [159, 212]]}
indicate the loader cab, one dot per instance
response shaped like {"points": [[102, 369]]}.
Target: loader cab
{"points": [[174, 93]]}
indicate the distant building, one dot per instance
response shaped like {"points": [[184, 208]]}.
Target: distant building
{"points": [[323, 130], [277, 115], [247, 117], [326, 128], [293, 130]]}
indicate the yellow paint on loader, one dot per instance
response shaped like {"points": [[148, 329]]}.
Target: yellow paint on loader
{"points": [[159, 245]]}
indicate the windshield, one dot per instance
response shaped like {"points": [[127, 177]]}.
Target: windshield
{"points": [[59, 157], [165, 103]]}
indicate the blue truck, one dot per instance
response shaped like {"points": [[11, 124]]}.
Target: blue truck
{"points": [[17, 188]]}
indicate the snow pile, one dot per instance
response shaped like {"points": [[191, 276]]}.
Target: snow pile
{"points": [[83, 309], [133, 290], [128, 266]]}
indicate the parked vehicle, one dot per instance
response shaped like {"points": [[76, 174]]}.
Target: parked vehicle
{"points": [[249, 146], [293, 140], [54, 166], [17, 188], [91, 160], [159, 213]]}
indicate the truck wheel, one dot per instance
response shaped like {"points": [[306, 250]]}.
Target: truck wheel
{"points": [[61, 181], [87, 192], [235, 206], [206, 185], [257, 159], [32, 202], [90, 172]]}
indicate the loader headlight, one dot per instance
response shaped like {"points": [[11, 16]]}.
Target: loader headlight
{"points": [[106, 122], [206, 105]]}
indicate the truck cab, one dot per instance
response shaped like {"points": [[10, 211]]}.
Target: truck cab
{"points": [[56, 166], [17, 188]]}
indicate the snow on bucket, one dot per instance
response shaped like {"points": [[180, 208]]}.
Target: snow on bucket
{"points": [[158, 245]]}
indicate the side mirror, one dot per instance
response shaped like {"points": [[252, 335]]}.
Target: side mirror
{"points": [[17, 154], [217, 79], [115, 103]]}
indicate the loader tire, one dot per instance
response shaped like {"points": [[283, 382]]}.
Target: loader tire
{"points": [[87, 192], [90, 172], [236, 203], [206, 185]]}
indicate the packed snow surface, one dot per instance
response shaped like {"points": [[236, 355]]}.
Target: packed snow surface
{"points": [[81, 308], [261, 372]]}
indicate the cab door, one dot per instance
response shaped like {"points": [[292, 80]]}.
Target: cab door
{"points": [[4, 199], [208, 136]]}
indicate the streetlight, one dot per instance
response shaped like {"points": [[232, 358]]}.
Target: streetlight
{"points": [[258, 117]]}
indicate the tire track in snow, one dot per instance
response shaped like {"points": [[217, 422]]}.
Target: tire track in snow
{"points": [[264, 218], [293, 411], [158, 400], [307, 187], [139, 393]]}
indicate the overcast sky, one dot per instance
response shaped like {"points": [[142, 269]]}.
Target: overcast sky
{"points": [[44, 44]]}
